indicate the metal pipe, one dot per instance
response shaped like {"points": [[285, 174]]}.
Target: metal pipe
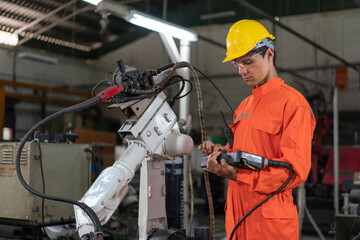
{"points": [[211, 41], [323, 67], [336, 145], [313, 223], [185, 56], [303, 78], [170, 46], [280, 70], [262, 14], [165, 8], [217, 15], [184, 106], [301, 206], [2, 108]]}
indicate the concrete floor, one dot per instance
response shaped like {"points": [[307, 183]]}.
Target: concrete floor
{"points": [[219, 230], [203, 220], [315, 237], [200, 220]]}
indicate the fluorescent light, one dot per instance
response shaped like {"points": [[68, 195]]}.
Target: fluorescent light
{"points": [[8, 38], [38, 57], [93, 2], [159, 25]]}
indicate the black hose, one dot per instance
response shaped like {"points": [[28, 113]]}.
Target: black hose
{"points": [[182, 87], [163, 68], [95, 160], [171, 81], [212, 83], [271, 164], [83, 206], [43, 189]]}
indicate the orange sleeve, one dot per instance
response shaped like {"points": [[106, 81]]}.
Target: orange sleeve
{"points": [[295, 149]]}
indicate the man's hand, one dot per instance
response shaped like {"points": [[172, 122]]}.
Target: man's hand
{"points": [[223, 170], [209, 147]]}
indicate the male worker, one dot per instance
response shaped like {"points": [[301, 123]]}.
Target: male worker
{"points": [[275, 122]]}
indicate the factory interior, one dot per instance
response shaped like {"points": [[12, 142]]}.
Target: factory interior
{"points": [[105, 104]]}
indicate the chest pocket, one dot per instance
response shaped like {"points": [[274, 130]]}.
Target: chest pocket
{"points": [[271, 127], [266, 136]]}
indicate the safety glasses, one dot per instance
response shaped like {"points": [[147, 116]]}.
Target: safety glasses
{"points": [[246, 62]]}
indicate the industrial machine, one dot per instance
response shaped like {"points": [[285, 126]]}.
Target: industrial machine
{"points": [[66, 171], [347, 224], [153, 136], [320, 184]]}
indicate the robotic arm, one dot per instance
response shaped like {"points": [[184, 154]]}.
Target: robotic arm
{"points": [[152, 133], [107, 192]]}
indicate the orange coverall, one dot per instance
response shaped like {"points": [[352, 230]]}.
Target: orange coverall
{"points": [[275, 122]]}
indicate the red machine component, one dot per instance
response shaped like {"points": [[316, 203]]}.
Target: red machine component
{"points": [[349, 163], [323, 125], [110, 92]]}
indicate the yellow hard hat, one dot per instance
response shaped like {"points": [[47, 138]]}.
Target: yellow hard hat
{"points": [[243, 37]]}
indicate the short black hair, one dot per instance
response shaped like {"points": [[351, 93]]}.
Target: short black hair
{"points": [[262, 51]]}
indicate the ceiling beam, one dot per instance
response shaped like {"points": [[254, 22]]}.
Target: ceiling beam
{"points": [[84, 9], [36, 21]]}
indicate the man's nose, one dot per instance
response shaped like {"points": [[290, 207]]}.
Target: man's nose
{"points": [[242, 69]]}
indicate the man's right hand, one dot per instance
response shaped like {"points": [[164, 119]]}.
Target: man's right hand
{"points": [[223, 169], [209, 147]]}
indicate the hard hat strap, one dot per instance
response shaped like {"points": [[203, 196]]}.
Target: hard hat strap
{"points": [[265, 42]]}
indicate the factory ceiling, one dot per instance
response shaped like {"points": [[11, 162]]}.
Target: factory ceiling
{"points": [[73, 28]]}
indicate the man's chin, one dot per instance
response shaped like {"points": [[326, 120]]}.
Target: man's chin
{"points": [[250, 84]]}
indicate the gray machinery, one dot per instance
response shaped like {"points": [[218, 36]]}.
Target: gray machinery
{"points": [[153, 136], [67, 173], [347, 223]]}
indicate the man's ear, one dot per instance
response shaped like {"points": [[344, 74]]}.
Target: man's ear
{"points": [[270, 53]]}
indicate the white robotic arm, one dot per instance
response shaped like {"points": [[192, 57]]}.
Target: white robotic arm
{"points": [[109, 189], [152, 132]]}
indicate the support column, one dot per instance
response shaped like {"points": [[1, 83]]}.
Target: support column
{"points": [[2, 109], [184, 106], [336, 145], [183, 114]]}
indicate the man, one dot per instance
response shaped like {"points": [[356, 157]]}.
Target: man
{"points": [[275, 122]]}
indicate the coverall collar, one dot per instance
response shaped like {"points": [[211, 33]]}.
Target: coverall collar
{"points": [[267, 87]]}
